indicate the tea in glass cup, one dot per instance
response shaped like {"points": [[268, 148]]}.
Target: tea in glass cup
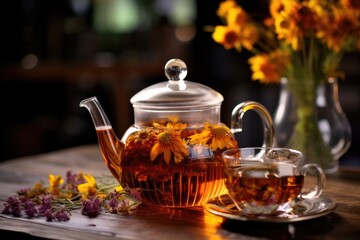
{"points": [[266, 181]]}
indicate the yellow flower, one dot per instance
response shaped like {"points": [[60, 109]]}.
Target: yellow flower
{"points": [[89, 187], [307, 16], [221, 138], [226, 36], [338, 26], [269, 68], [169, 142], [176, 126], [217, 136], [171, 125], [293, 19], [248, 36], [278, 6], [235, 37], [239, 31], [225, 7], [237, 17], [287, 29], [140, 136], [263, 70], [55, 182], [119, 188]]}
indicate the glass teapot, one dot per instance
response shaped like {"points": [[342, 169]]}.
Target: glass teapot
{"points": [[171, 155]]}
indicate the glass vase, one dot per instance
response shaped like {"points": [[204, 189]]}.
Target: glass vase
{"points": [[309, 118]]}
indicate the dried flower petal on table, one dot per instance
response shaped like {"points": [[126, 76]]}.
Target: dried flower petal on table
{"points": [[79, 190]]}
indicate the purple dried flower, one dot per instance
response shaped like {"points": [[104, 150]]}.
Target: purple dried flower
{"points": [[12, 206], [113, 204], [70, 181], [70, 177], [29, 207], [47, 198], [73, 180], [91, 206], [45, 204], [62, 215], [134, 194], [6, 209], [49, 215]]}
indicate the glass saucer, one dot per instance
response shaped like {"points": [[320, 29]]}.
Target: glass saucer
{"points": [[304, 209]]}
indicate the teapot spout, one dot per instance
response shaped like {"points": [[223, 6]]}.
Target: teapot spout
{"points": [[111, 147], [96, 111]]}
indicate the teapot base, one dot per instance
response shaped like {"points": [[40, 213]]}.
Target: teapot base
{"points": [[187, 189]]}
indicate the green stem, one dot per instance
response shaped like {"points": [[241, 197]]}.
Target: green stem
{"points": [[307, 136]]}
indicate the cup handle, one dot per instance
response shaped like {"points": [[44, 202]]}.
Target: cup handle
{"points": [[317, 190], [238, 114]]}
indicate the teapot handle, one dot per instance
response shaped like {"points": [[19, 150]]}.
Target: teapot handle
{"points": [[238, 114]]}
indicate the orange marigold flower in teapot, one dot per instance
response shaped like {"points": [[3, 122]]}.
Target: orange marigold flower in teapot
{"points": [[169, 142], [217, 136]]}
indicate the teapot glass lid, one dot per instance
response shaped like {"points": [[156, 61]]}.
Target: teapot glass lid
{"points": [[176, 93]]}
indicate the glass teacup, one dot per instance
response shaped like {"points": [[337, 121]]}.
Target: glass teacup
{"points": [[267, 181]]}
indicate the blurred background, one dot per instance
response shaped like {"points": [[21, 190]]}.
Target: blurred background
{"points": [[55, 53]]}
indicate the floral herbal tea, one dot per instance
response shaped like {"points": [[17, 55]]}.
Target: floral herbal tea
{"points": [[173, 165], [262, 193]]}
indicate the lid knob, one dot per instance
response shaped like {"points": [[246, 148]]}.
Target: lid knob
{"points": [[176, 93], [175, 69]]}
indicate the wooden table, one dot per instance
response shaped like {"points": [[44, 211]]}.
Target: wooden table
{"points": [[147, 222]]}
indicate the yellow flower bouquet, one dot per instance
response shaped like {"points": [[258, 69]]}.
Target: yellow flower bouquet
{"points": [[302, 41]]}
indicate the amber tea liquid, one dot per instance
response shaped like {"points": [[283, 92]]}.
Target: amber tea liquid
{"points": [[191, 182], [260, 192]]}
